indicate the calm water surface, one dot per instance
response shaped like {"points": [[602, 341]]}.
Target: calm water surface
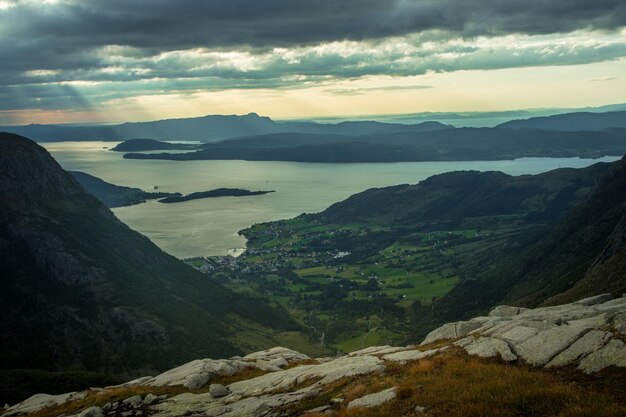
{"points": [[209, 226]]}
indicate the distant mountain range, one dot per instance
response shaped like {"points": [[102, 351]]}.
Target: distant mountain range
{"points": [[471, 118], [571, 122], [207, 129], [585, 134], [252, 127], [81, 290]]}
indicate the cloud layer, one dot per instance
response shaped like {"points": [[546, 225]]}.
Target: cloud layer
{"points": [[173, 25], [53, 51]]}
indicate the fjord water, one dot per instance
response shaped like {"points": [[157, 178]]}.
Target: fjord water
{"points": [[209, 226]]}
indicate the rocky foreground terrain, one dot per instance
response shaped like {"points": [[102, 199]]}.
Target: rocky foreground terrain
{"points": [[515, 354]]}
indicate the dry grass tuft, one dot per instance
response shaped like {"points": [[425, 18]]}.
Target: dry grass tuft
{"points": [[405, 390], [423, 366], [457, 385], [351, 413], [355, 391]]}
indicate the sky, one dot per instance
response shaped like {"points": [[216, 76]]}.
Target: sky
{"points": [[79, 61]]}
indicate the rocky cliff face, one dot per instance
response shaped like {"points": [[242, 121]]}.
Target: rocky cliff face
{"points": [[587, 335]]}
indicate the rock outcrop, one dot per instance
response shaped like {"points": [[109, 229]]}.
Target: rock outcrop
{"points": [[200, 372], [40, 401], [588, 334]]}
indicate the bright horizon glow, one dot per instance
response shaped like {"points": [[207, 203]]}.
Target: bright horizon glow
{"points": [[508, 89], [66, 63]]}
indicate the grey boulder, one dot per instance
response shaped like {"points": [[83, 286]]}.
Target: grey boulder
{"points": [[488, 347], [134, 400], [451, 331], [91, 412], [218, 390]]}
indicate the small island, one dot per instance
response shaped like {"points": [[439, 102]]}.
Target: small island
{"points": [[116, 195], [218, 192]]}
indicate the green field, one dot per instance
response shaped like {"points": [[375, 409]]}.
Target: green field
{"points": [[332, 279]]}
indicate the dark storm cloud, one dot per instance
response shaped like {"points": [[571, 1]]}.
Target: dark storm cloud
{"points": [[299, 65], [170, 24], [134, 45], [56, 35]]}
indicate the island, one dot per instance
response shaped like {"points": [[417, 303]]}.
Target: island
{"points": [[118, 196], [115, 195], [139, 145], [218, 192], [462, 144]]}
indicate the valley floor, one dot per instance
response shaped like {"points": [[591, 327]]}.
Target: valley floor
{"points": [[354, 286]]}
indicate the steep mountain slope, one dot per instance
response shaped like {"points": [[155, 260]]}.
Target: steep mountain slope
{"points": [[585, 255], [571, 122], [79, 289], [582, 255]]}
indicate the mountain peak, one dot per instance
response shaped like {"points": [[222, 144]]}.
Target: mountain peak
{"points": [[28, 172]]}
